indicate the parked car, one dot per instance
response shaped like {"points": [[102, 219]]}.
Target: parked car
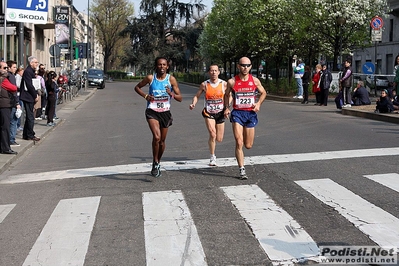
{"points": [[382, 82], [95, 78], [129, 74]]}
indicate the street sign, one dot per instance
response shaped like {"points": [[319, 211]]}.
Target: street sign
{"points": [[376, 35], [28, 11], [376, 23], [55, 50], [368, 68]]}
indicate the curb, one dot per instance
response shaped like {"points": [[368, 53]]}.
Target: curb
{"points": [[390, 118]]}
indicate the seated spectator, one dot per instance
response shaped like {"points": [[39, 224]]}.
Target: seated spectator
{"points": [[395, 100], [384, 104], [360, 95], [390, 89]]}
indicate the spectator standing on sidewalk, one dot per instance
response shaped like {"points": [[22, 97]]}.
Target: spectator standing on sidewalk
{"points": [[305, 85], [52, 89], [396, 73], [346, 84], [6, 103], [325, 83], [213, 112], [243, 89], [12, 68], [163, 88], [316, 84], [29, 97], [18, 78], [299, 70], [37, 108]]}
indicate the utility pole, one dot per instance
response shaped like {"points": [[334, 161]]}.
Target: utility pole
{"points": [[5, 32], [21, 52], [71, 51]]}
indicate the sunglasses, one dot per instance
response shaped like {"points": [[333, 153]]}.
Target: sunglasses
{"points": [[245, 65], [5, 68]]}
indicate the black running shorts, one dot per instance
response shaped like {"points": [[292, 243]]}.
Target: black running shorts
{"points": [[165, 119], [219, 117]]}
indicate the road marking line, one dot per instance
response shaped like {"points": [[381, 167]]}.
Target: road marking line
{"points": [[281, 237], [171, 237], [389, 180], [198, 164], [379, 225], [5, 210], [65, 238]]}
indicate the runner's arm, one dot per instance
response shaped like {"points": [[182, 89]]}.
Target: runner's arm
{"points": [[176, 91], [195, 98], [262, 96], [145, 81], [227, 97]]}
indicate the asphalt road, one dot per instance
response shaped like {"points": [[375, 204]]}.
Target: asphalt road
{"points": [[294, 143]]}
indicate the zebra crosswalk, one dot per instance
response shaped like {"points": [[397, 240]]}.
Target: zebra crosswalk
{"points": [[171, 236]]}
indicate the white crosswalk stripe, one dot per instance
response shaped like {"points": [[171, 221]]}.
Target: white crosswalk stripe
{"points": [[65, 238], [379, 225], [278, 233], [198, 164], [5, 210], [389, 180], [171, 236]]}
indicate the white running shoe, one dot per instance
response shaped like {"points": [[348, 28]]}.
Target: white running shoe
{"points": [[212, 161], [300, 97], [347, 105], [243, 175], [296, 96]]}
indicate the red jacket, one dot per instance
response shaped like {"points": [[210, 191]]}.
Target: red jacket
{"points": [[6, 94], [316, 79], [7, 85]]}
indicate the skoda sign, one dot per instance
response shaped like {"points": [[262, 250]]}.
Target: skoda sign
{"points": [[28, 11]]}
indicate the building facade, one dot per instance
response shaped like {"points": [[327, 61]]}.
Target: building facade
{"points": [[382, 53], [27, 39]]}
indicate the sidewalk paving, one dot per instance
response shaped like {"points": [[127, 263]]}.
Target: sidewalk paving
{"points": [[42, 130], [365, 111], [65, 109]]}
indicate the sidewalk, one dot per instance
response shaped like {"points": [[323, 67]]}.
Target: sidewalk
{"points": [[366, 111], [42, 130]]}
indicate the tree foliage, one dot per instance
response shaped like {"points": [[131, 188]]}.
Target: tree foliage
{"points": [[109, 18], [281, 28], [164, 28]]}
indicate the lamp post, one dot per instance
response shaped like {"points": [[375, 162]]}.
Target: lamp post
{"points": [[340, 21]]}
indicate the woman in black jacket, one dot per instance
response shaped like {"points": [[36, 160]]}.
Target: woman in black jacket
{"points": [[52, 90]]}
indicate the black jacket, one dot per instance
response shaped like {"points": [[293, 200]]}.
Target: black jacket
{"points": [[325, 80], [30, 94], [361, 97]]}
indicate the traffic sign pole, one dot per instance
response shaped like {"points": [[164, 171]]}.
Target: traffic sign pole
{"points": [[5, 33], [376, 24]]}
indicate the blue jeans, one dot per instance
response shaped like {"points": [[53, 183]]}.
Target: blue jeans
{"points": [[299, 85], [13, 125]]}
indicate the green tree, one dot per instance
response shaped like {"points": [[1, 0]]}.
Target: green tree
{"points": [[160, 30], [109, 18], [355, 30], [281, 28]]}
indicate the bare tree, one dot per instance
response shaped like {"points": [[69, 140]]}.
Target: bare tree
{"points": [[109, 19]]}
